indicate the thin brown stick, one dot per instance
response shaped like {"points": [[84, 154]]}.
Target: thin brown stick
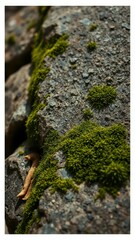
{"points": [[28, 180]]}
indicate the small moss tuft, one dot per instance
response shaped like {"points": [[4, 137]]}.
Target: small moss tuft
{"points": [[102, 96], [32, 126], [62, 185], [91, 45], [93, 27], [11, 39], [87, 113], [59, 47]]}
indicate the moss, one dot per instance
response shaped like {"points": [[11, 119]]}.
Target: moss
{"points": [[45, 177], [37, 77], [31, 24], [11, 40], [93, 27], [32, 126], [101, 96], [62, 185], [21, 152], [55, 46], [59, 47], [42, 10], [97, 154], [94, 154], [87, 113], [92, 45], [101, 194]]}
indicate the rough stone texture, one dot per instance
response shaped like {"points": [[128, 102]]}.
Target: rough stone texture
{"points": [[16, 169], [80, 213], [71, 76], [17, 107], [108, 64], [17, 25]]}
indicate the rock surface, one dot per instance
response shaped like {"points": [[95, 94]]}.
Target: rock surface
{"points": [[80, 213], [20, 30], [108, 64], [16, 169], [71, 76], [17, 108]]}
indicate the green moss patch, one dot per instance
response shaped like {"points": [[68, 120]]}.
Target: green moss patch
{"points": [[87, 113], [93, 27], [94, 154], [98, 154], [32, 126], [92, 45], [11, 40], [45, 176], [101, 96]]}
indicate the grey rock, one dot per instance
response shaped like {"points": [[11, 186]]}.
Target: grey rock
{"points": [[73, 60], [17, 108], [126, 26], [85, 75], [79, 212], [16, 169], [85, 21], [91, 70], [17, 56], [69, 196], [63, 173]]}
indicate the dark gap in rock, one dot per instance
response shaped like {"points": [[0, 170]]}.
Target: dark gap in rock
{"points": [[18, 61], [11, 225], [15, 136]]}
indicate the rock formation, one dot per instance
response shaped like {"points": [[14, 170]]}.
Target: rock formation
{"points": [[49, 110]]}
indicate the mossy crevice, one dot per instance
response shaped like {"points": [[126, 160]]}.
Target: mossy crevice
{"points": [[54, 47], [45, 177]]}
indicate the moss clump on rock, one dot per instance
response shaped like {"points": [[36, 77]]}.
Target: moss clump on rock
{"points": [[101, 96], [11, 39], [94, 154], [92, 45], [59, 47], [87, 113], [97, 154], [93, 27], [32, 126]]}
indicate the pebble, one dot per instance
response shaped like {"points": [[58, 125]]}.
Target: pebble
{"points": [[85, 21], [69, 196], [73, 60], [126, 26], [85, 75], [91, 70]]}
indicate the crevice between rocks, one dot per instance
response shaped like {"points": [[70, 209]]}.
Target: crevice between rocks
{"points": [[15, 136], [18, 61]]}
